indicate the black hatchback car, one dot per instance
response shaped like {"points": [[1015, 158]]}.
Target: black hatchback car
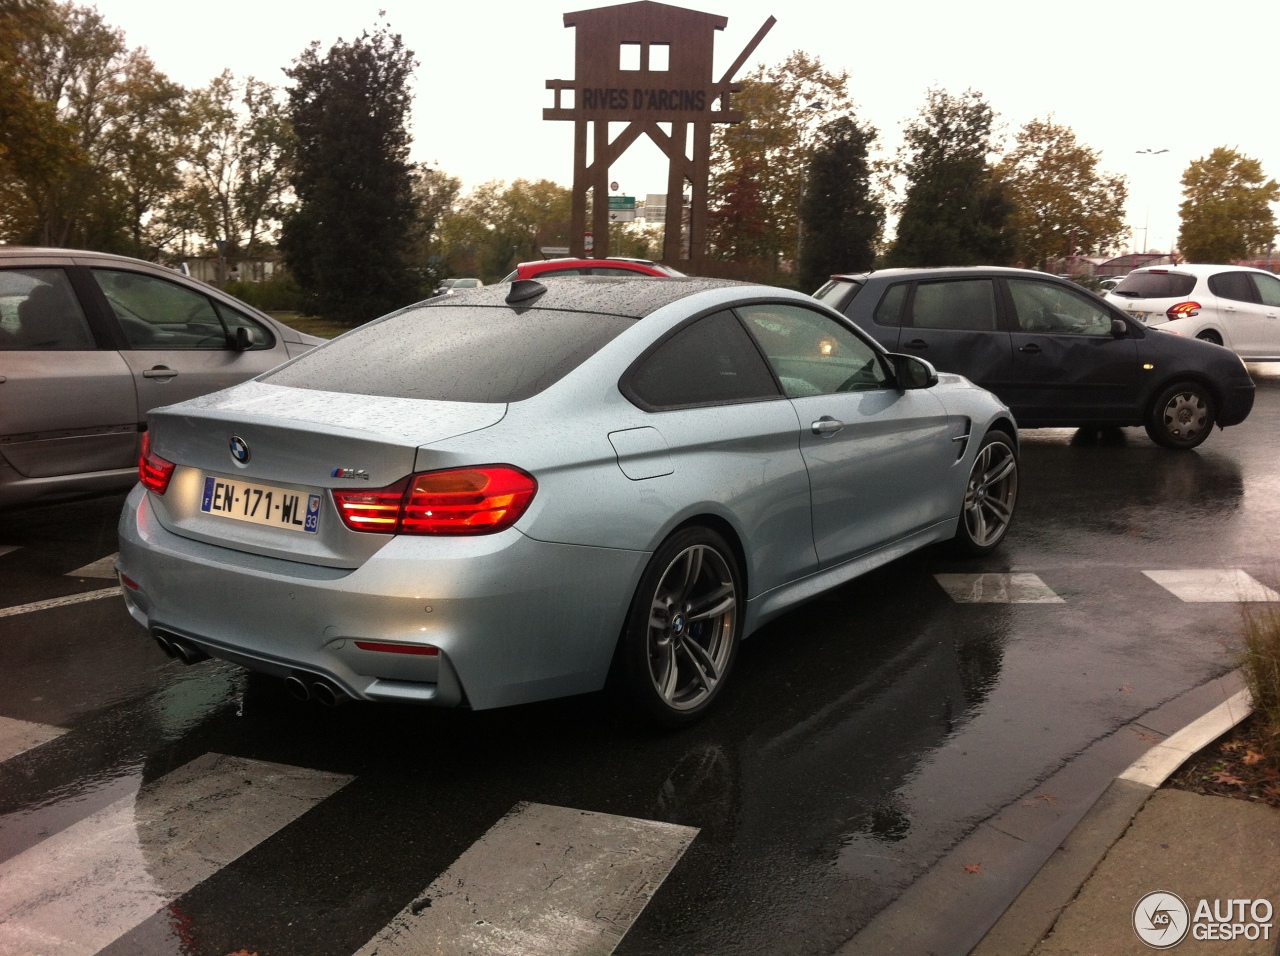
{"points": [[1056, 354]]}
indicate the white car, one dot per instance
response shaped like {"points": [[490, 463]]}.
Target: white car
{"points": [[1227, 305]]}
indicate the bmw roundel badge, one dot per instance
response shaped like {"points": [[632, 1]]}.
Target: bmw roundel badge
{"points": [[239, 450]]}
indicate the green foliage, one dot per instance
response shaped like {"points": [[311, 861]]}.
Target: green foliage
{"points": [[349, 240], [1226, 208], [756, 164], [1065, 206], [497, 226], [633, 240], [841, 215], [277, 294], [1260, 661], [955, 211]]}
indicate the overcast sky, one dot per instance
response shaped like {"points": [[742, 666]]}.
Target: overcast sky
{"points": [[1178, 76]]}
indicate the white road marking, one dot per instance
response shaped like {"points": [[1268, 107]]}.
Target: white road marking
{"points": [[544, 881], [19, 736], [59, 602], [8, 549], [997, 589], [1212, 585], [91, 883], [102, 568], [1160, 762]]}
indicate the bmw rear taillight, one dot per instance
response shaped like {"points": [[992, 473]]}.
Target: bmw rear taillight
{"points": [[1183, 310], [457, 501], [153, 471]]}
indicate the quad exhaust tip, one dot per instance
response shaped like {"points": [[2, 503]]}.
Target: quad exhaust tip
{"points": [[327, 693], [180, 650], [297, 688]]}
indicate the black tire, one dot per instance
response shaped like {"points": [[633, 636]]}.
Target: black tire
{"points": [[1208, 335], [1181, 416], [659, 633], [990, 496]]}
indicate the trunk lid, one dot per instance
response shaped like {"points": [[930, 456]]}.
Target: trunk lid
{"points": [[296, 444]]}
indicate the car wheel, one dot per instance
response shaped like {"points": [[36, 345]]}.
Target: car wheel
{"points": [[682, 630], [1208, 335], [1181, 416], [989, 495]]}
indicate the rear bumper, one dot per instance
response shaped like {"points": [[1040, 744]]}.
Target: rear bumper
{"points": [[1237, 403], [515, 619]]}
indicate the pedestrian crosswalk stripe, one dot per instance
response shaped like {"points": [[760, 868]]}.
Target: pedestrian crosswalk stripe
{"points": [[102, 568], [59, 602], [997, 589], [543, 881], [89, 884], [19, 736], [1212, 585], [8, 549]]}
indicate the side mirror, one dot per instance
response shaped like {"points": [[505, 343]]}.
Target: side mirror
{"points": [[244, 340], [912, 372], [1119, 329]]}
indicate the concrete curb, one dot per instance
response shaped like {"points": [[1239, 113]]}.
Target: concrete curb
{"points": [[1035, 911]]}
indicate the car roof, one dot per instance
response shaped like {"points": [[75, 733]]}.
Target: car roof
{"points": [[584, 262], [938, 271], [609, 295], [1200, 269], [13, 252]]}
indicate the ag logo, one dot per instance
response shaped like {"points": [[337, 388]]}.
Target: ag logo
{"points": [[1161, 919]]}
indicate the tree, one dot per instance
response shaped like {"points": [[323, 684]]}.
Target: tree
{"points": [[1226, 209], [955, 212], [1063, 204], [841, 216], [434, 194], [349, 238], [497, 226], [238, 168], [756, 164]]}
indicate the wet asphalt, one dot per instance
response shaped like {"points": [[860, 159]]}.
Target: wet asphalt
{"points": [[863, 735]]}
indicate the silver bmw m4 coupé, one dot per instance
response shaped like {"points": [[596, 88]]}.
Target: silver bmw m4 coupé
{"points": [[509, 494]]}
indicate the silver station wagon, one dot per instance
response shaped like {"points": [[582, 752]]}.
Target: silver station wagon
{"points": [[513, 493], [89, 343]]}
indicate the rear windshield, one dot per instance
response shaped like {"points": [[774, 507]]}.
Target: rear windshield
{"points": [[1155, 285], [459, 354], [835, 292]]}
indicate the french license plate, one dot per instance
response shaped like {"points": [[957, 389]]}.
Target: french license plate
{"points": [[1140, 316], [261, 504]]}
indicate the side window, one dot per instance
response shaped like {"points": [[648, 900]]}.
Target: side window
{"points": [[889, 311], [1233, 285], [259, 336], [1268, 288], [39, 312], [1045, 307], [812, 354], [964, 305], [557, 272], [711, 362], [615, 271], [158, 314]]}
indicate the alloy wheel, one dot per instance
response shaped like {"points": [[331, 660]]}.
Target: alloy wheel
{"points": [[990, 495]]}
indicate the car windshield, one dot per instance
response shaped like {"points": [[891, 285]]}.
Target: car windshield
{"points": [[459, 354], [834, 292], [1155, 285]]}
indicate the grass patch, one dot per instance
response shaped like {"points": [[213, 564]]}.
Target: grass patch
{"points": [[310, 324], [1260, 660]]}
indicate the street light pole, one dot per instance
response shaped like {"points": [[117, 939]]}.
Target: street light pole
{"points": [[1147, 220], [816, 106]]}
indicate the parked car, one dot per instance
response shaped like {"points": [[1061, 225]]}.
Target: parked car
{"points": [[1107, 283], [1056, 354], [473, 508], [1233, 306], [89, 343], [626, 268], [450, 286]]}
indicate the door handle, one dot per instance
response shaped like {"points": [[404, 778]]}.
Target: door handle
{"points": [[162, 372], [917, 344], [1030, 348], [826, 426]]}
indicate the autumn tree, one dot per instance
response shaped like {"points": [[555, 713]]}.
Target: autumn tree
{"points": [[349, 238], [841, 216], [756, 164], [238, 171], [434, 194], [497, 226], [1226, 208], [955, 211], [1064, 205]]}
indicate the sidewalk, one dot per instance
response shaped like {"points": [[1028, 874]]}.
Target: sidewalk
{"points": [[1137, 840]]}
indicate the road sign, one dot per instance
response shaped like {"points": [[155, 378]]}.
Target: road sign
{"points": [[613, 187], [620, 203], [622, 215], [588, 242]]}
